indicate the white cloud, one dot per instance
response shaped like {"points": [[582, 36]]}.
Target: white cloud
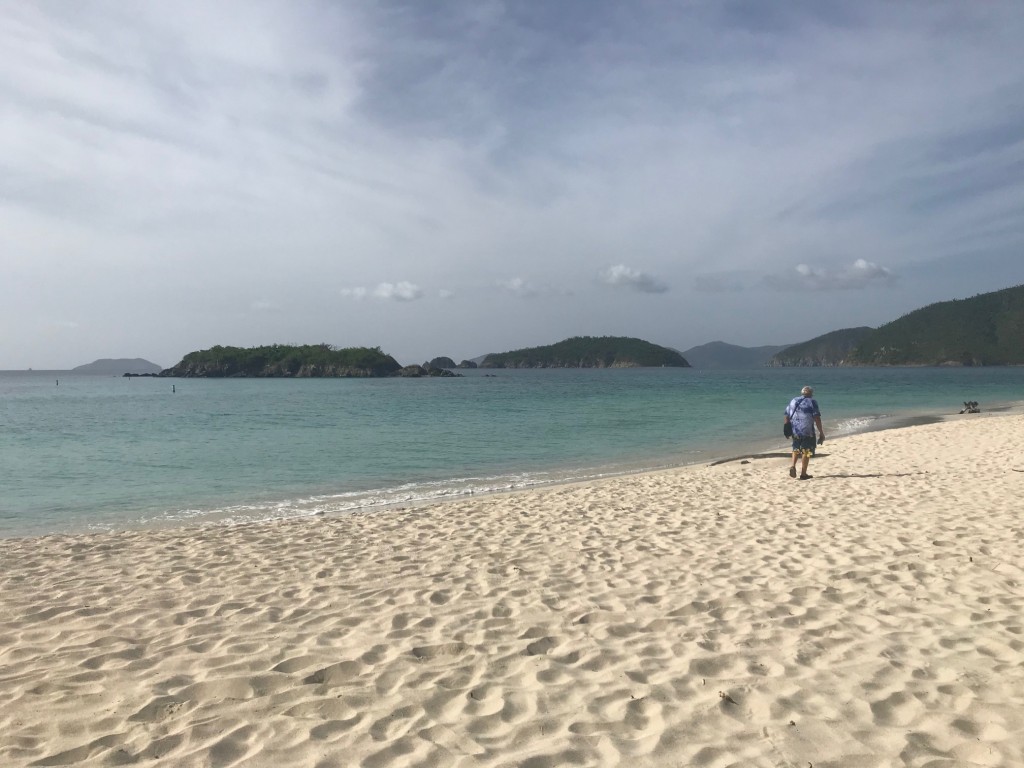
{"points": [[402, 291], [626, 277], [529, 289], [861, 274], [863, 271], [319, 142], [518, 286], [444, 293]]}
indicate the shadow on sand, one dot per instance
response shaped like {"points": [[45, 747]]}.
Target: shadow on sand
{"points": [[875, 474], [817, 475]]}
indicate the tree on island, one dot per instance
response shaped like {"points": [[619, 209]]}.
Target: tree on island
{"points": [[285, 361], [590, 352], [987, 329]]}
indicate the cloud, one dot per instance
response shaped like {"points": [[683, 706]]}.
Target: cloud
{"points": [[462, 142], [444, 293], [518, 286], [527, 289], [622, 276], [403, 291], [400, 291], [861, 274]]}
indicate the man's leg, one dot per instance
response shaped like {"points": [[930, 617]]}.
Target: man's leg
{"points": [[792, 469], [804, 463]]}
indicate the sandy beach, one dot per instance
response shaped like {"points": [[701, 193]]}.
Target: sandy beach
{"points": [[722, 615]]}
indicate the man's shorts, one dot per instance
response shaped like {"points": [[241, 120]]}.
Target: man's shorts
{"points": [[805, 445]]}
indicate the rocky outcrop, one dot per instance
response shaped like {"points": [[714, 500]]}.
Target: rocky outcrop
{"points": [[559, 363], [416, 371], [275, 371]]}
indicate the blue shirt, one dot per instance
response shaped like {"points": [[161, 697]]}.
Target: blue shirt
{"points": [[801, 411]]}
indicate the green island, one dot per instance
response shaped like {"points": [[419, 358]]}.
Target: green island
{"points": [[285, 361], [987, 329], [590, 352]]}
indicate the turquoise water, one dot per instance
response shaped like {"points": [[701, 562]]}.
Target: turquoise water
{"points": [[100, 453]]}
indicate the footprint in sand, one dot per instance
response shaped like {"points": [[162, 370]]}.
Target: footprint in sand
{"points": [[898, 709]]}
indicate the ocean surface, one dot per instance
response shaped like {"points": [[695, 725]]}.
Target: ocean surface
{"points": [[93, 453]]}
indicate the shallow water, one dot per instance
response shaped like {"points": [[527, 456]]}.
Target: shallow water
{"points": [[97, 453]]}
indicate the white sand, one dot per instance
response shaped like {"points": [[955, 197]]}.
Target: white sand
{"points": [[708, 616]]}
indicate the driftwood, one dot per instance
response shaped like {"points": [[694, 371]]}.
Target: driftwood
{"points": [[971, 406]]}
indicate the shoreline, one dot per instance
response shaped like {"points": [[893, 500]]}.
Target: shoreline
{"points": [[131, 477], [226, 516], [703, 615]]}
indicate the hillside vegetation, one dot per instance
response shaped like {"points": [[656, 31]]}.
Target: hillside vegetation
{"points": [[987, 329], [589, 352], [282, 360], [720, 355], [832, 349]]}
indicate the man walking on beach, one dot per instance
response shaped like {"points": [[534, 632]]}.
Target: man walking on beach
{"points": [[802, 415]]}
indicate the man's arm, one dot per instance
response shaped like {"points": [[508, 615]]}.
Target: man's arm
{"points": [[821, 429]]}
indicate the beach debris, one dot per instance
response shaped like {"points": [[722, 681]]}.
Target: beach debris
{"points": [[971, 406], [726, 697]]}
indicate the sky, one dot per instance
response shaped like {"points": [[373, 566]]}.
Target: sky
{"points": [[457, 178]]}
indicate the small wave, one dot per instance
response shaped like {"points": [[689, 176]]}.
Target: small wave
{"points": [[859, 424], [350, 502]]}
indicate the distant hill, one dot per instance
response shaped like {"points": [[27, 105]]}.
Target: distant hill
{"points": [[118, 366], [718, 354], [987, 329], [832, 349], [589, 352], [285, 361]]}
